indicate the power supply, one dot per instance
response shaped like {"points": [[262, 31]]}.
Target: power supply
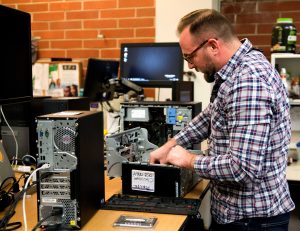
{"points": [[72, 143]]}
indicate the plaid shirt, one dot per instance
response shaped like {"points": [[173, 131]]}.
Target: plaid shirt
{"points": [[248, 143]]}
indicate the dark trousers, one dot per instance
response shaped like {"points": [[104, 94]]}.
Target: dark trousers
{"points": [[276, 223]]}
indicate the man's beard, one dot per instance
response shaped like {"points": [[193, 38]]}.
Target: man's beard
{"points": [[210, 71], [209, 77]]}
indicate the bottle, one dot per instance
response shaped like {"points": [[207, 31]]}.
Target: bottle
{"points": [[284, 36], [283, 75]]}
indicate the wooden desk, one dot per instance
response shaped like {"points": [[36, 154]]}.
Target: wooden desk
{"points": [[103, 219]]}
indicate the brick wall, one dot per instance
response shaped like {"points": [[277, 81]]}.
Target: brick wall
{"points": [[69, 28], [255, 19]]}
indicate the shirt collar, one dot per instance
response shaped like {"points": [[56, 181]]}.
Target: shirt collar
{"points": [[228, 68]]}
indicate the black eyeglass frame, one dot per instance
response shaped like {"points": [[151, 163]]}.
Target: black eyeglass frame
{"points": [[188, 57]]}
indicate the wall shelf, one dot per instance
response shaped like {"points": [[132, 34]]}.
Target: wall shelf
{"points": [[291, 62]]}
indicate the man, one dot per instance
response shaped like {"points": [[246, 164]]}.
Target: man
{"points": [[247, 125]]}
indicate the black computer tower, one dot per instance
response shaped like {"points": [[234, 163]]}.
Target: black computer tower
{"points": [[72, 143], [21, 117], [162, 119], [57, 104], [46, 105]]}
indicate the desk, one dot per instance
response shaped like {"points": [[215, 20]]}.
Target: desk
{"points": [[103, 219]]}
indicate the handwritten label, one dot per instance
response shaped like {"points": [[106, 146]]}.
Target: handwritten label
{"points": [[142, 180]]}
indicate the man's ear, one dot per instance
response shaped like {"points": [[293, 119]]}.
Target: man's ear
{"points": [[214, 45]]}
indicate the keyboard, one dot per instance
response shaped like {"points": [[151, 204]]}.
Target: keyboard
{"points": [[150, 204]]}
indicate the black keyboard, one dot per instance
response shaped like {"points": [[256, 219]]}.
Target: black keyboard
{"points": [[150, 204]]}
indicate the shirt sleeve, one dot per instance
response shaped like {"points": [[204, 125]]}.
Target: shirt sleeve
{"points": [[196, 131]]}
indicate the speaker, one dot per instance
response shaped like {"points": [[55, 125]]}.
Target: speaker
{"points": [[183, 91], [72, 143]]}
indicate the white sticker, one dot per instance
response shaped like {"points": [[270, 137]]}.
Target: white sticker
{"points": [[49, 200], [138, 113], [142, 180], [68, 113]]}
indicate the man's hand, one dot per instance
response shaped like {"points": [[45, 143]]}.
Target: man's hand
{"points": [[170, 153], [159, 155], [180, 157]]}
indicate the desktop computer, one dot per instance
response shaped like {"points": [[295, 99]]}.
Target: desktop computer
{"points": [[72, 143], [161, 119], [21, 117]]}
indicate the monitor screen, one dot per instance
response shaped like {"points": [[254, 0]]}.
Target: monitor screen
{"points": [[151, 64], [97, 85], [15, 56]]}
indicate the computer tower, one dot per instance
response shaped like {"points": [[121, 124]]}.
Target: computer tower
{"points": [[150, 179], [21, 117], [161, 119], [47, 105], [72, 143], [57, 104]]}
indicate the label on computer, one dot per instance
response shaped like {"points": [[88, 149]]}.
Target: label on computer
{"points": [[49, 200], [138, 113], [143, 180]]}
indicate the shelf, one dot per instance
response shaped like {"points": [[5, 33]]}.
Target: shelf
{"points": [[287, 60], [294, 102]]}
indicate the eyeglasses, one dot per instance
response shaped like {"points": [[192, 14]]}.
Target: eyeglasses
{"points": [[190, 56]]}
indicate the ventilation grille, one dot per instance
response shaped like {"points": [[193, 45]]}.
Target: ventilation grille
{"points": [[64, 139]]}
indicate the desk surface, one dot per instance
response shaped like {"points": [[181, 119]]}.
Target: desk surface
{"points": [[103, 219]]}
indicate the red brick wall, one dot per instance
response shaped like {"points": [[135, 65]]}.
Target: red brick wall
{"points": [[255, 19], [69, 28]]}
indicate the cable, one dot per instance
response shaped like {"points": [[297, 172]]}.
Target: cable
{"points": [[3, 186], [55, 212], [13, 134], [15, 225], [11, 210], [44, 166]]}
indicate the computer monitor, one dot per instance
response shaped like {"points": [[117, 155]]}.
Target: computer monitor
{"points": [[97, 80], [151, 64], [15, 56]]}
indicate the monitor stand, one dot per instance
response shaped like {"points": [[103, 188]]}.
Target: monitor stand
{"points": [[5, 167]]}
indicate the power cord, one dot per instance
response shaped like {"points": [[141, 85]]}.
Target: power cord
{"points": [[13, 225], [11, 210], [7, 195], [44, 166], [55, 212]]}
